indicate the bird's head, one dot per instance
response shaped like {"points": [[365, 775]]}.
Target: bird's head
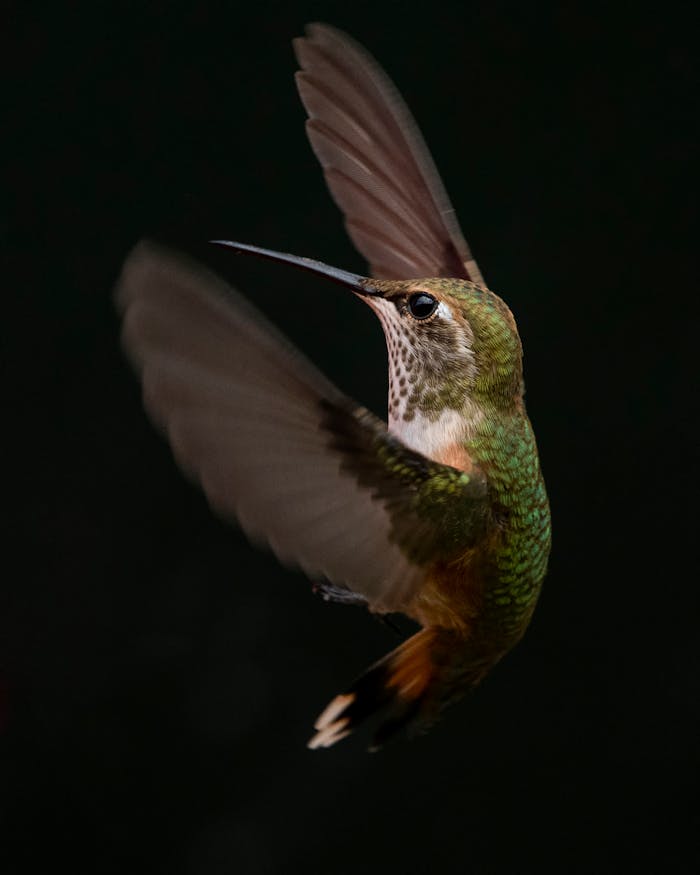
{"points": [[450, 342]]}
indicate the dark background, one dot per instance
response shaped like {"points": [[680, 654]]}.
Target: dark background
{"points": [[158, 677]]}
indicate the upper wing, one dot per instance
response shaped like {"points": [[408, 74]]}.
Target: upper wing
{"points": [[276, 445], [376, 163]]}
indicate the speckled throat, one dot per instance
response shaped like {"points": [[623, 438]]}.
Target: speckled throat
{"points": [[428, 413]]}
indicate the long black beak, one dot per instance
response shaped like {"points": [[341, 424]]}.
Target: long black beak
{"points": [[359, 284]]}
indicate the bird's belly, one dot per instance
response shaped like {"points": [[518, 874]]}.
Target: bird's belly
{"points": [[450, 597], [480, 595]]}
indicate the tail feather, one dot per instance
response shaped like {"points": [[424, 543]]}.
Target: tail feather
{"points": [[398, 684]]}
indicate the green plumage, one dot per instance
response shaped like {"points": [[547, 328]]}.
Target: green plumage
{"points": [[504, 447], [506, 450]]}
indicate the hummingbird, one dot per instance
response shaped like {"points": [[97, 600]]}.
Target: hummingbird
{"points": [[441, 513]]}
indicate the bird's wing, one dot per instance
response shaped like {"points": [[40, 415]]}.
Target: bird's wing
{"points": [[275, 445], [376, 163]]}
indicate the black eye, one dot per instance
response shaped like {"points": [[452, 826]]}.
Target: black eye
{"points": [[422, 305]]}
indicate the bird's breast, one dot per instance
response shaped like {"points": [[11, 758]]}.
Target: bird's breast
{"points": [[441, 438]]}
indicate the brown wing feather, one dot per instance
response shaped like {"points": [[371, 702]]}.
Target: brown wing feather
{"points": [[376, 163], [273, 443]]}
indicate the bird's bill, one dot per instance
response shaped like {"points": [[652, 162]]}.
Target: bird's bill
{"points": [[361, 285]]}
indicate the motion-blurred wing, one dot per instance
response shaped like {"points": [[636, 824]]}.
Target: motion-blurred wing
{"points": [[376, 163], [275, 445]]}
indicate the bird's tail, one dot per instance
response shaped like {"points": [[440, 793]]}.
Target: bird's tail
{"points": [[409, 685]]}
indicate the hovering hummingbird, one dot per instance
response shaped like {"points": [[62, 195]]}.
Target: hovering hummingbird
{"points": [[442, 515]]}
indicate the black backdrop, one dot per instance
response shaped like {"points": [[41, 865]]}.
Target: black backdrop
{"points": [[159, 677]]}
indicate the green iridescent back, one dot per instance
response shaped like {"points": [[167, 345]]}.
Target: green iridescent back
{"points": [[504, 446]]}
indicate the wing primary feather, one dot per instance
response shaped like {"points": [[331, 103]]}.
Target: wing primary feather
{"points": [[273, 443], [357, 115]]}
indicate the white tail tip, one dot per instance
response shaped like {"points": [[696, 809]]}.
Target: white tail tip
{"points": [[331, 726]]}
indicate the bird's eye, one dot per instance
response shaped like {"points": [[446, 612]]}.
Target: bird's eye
{"points": [[422, 305]]}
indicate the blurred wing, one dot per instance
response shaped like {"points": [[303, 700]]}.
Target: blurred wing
{"points": [[376, 163], [273, 443]]}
